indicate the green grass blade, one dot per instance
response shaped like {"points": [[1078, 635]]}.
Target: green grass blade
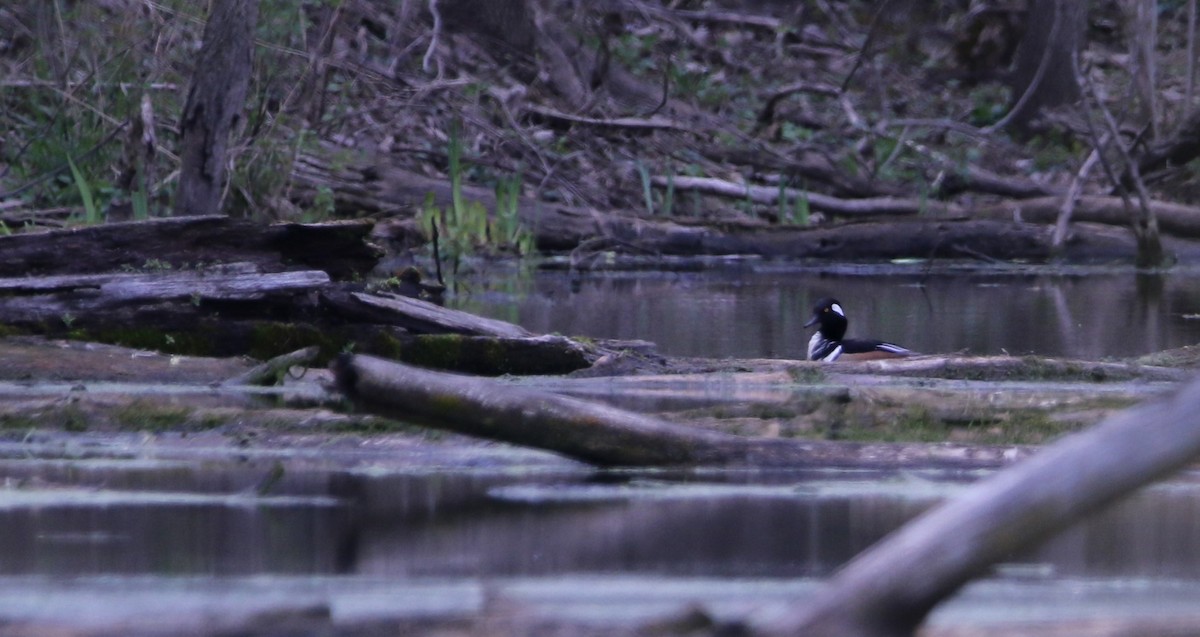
{"points": [[91, 213]]}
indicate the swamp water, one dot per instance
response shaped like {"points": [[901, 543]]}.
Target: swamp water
{"points": [[753, 308], [142, 537], [145, 542]]}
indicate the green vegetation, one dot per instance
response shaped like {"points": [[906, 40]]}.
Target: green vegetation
{"points": [[147, 415], [465, 228]]}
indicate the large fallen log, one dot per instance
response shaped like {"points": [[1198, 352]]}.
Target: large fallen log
{"points": [[338, 248], [116, 297], [1174, 219], [605, 435]]}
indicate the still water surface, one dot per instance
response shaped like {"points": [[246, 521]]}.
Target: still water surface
{"points": [[758, 309], [86, 544]]}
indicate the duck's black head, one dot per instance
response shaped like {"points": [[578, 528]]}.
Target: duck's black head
{"points": [[828, 313]]}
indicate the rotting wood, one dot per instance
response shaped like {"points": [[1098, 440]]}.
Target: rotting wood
{"points": [[178, 242], [605, 435], [889, 589], [99, 297], [631, 123]]}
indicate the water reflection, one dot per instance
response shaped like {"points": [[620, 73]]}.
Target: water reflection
{"points": [[781, 525], [759, 310]]}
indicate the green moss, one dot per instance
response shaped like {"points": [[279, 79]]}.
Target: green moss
{"points": [[141, 415], [807, 374], [386, 345], [268, 340], [196, 342], [68, 417], [443, 351]]}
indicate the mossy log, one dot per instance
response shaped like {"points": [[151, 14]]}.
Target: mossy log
{"points": [[238, 309], [604, 435]]}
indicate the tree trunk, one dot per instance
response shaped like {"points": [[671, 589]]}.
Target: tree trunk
{"points": [[214, 104], [1044, 74]]}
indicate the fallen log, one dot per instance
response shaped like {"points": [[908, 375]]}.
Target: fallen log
{"points": [[424, 317], [338, 248], [237, 309], [1174, 219], [111, 298], [889, 589], [604, 435]]}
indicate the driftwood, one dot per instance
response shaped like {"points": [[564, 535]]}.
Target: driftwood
{"points": [[889, 589], [339, 248], [606, 435]]}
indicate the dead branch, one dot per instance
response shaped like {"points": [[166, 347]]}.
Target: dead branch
{"points": [[767, 114], [816, 201], [1143, 220], [1068, 205], [719, 17], [635, 123], [268, 373]]}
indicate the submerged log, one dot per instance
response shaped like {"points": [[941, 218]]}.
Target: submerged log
{"points": [[605, 435]]}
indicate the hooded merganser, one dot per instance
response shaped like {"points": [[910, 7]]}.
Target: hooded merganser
{"points": [[828, 345]]}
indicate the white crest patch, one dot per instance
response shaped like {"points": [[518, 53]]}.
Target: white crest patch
{"points": [[837, 308]]}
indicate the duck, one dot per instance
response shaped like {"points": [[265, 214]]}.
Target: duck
{"points": [[828, 344]]}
